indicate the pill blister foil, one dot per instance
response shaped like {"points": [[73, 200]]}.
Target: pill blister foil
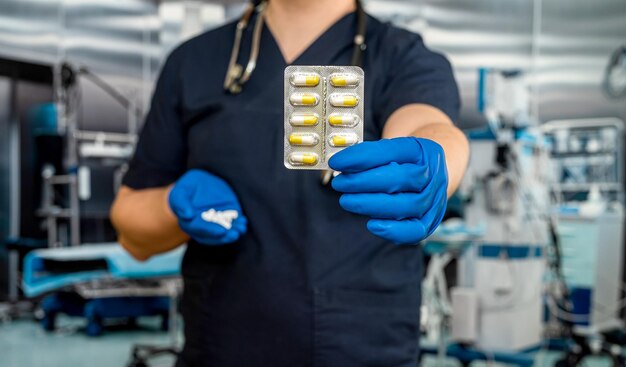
{"points": [[324, 149]]}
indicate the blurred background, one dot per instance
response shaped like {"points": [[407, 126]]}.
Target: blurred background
{"points": [[76, 78]]}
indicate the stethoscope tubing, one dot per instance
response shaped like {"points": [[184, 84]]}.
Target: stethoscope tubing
{"points": [[237, 76]]}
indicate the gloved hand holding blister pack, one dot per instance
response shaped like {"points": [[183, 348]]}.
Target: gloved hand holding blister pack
{"points": [[400, 183], [207, 208]]}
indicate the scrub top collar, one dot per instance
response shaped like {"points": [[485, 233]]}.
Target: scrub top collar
{"points": [[324, 50]]}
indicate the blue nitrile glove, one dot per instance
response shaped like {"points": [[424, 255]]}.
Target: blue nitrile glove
{"points": [[400, 183], [207, 208]]}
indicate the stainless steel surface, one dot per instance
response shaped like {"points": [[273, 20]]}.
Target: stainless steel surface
{"points": [[563, 44], [576, 41], [14, 177], [5, 160], [117, 40], [124, 42], [105, 137], [170, 287], [5, 180], [29, 29], [569, 52]]}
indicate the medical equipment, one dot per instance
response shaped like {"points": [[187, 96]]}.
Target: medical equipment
{"points": [[592, 265], [596, 159], [59, 206], [237, 76], [586, 302], [505, 269], [331, 99], [503, 98], [448, 242], [507, 194], [451, 240]]}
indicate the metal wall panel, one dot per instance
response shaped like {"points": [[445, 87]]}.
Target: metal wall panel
{"points": [[565, 57], [30, 29], [182, 20], [5, 176], [577, 38], [123, 41], [472, 34], [126, 41], [117, 40], [4, 156]]}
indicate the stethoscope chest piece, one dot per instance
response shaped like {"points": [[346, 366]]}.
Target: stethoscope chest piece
{"points": [[234, 73]]}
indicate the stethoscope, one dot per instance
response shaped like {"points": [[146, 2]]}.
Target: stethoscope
{"points": [[237, 76]]}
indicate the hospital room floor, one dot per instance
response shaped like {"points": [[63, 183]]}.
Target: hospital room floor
{"points": [[24, 344]]}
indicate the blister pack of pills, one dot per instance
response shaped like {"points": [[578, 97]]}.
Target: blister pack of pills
{"points": [[323, 113]]}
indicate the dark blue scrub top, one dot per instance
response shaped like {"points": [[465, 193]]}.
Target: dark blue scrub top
{"points": [[308, 285]]}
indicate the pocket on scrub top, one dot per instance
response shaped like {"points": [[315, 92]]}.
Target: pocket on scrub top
{"points": [[364, 328]]}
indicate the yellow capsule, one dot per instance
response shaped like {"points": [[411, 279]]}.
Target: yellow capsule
{"points": [[305, 139], [344, 80], [304, 99], [343, 119], [303, 119], [344, 100], [305, 80], [309, 159], [343, 140]]}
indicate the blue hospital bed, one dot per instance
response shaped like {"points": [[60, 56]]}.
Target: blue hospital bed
{"points": [[102, 281]]}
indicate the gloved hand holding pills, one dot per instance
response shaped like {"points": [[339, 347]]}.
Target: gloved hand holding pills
{"points": [[207, 208]]}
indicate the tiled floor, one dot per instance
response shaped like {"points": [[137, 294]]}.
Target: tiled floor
{"points": [[24, 344]]}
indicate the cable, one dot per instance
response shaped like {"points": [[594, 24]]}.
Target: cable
{"points": [[564, 315], [617, 57]]}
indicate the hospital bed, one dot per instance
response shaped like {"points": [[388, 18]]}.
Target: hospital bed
{"points": [[102, 281]]}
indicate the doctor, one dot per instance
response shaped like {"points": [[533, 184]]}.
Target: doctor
{"points": [[280, 269]]}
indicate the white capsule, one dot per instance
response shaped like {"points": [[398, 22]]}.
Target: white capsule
{"points": [[304, 139], [343, 119], [343, 139], [304, 119], [305, 79], [344, 80], [299, 159], [344, 99], [304, 99]]}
